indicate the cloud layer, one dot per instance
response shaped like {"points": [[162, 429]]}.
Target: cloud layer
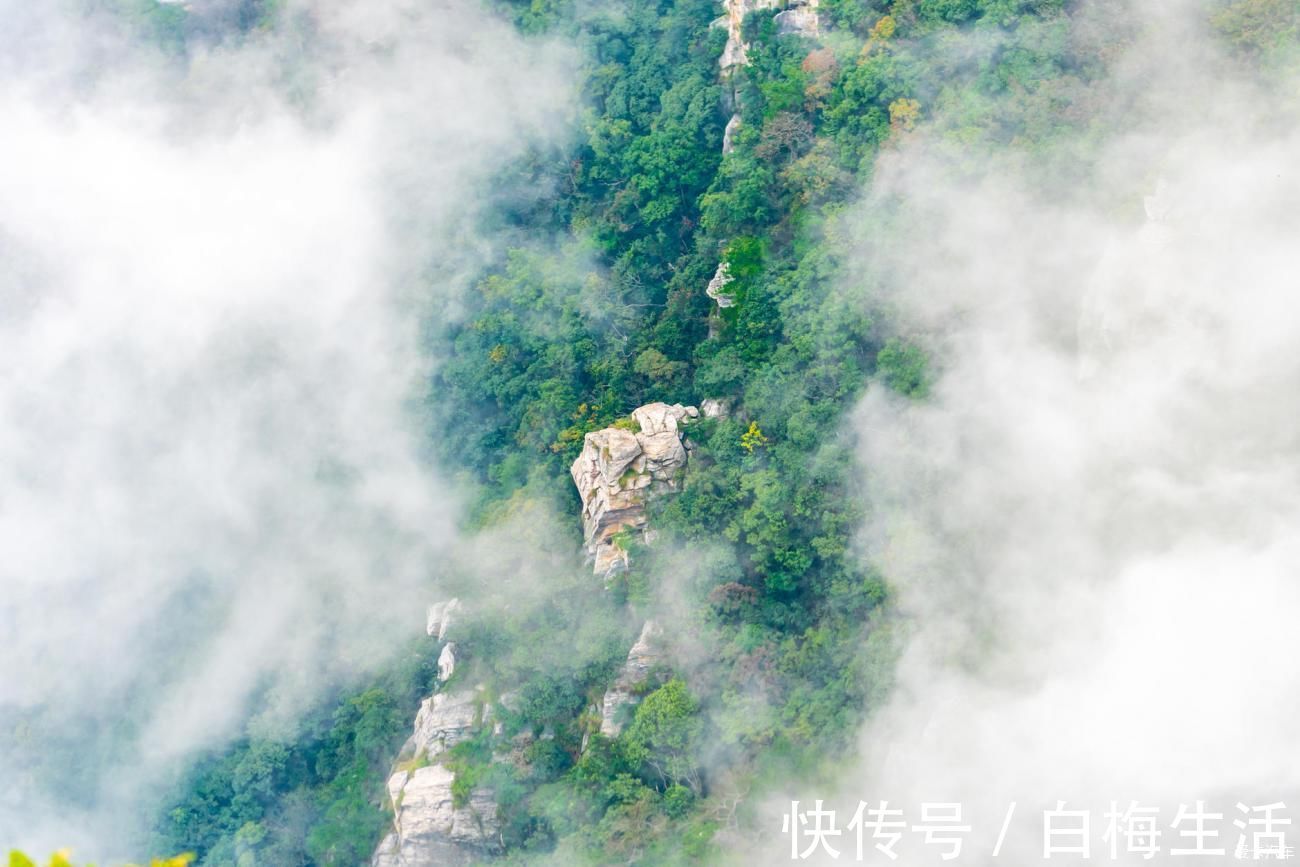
{"points": [[213, 277], [1092, 522]]}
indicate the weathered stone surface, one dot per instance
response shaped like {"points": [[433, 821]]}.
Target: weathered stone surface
{"points": [[443, 721], [712, 408], [733, 19], [718, 285], [641, 660], [428, 828], [618, 469]]}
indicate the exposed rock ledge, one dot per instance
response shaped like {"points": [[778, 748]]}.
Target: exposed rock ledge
{"points": [[734, 19], [440, 617], [619, 468], [428, 828]]}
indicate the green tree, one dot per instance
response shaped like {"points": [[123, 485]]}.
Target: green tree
{"points": [[665, 735]]}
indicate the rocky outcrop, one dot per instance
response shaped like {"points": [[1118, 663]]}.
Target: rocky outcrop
{"points": [[430, 829], [800, 17], [642, 659], [718, 285], [619, 468], [444, 720], [711, 408]]}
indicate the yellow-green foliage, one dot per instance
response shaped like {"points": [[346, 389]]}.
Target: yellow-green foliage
{"points": [[752, 438], [63, 858]]}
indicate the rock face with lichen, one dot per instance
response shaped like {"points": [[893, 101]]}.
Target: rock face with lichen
{"points": [[734, 19], [619, 468]]}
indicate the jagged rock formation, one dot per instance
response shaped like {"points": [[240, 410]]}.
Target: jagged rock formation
{"points": [[619, 468], [718, 285], [445, 720], [428, 826], [801, 19], [641, 661]]}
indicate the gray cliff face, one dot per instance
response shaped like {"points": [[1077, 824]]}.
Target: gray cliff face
{"points": [[617, 471], [440, 617], [733, 19]]}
